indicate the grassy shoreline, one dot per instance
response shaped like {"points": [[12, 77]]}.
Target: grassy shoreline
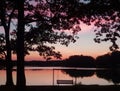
{"points": [[65, 88]]}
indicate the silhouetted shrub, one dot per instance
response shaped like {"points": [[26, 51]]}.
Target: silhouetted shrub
{"points": [[81, 61]]}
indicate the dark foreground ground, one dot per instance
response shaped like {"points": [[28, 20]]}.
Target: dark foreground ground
{"points": [[65, 88]]}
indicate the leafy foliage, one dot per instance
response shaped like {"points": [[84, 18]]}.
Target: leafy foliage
{"points": [[106, 18], [41, 22], [44, 17], [2, 47]]}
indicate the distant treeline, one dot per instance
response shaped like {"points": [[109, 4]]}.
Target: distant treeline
{"points": [[110, 60]]}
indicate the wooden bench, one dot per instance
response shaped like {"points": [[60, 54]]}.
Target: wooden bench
{"points": [[64, 82]]}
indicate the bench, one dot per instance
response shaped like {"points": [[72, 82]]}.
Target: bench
{"points": [[64, 82]]}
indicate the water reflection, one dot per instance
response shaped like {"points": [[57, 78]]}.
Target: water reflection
{"points": [[78, 73], [49, 76], [112, 75]]}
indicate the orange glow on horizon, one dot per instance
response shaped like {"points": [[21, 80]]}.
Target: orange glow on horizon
{"points": [[34, 56]]}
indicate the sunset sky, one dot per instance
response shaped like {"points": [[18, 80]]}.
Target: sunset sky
{"points": [[85, 45]]}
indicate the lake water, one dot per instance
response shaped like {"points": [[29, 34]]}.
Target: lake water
{"points": [[50, 75]]}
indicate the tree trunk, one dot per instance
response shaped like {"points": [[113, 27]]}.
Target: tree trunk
{"points": [[21, 81], [9, 80]]}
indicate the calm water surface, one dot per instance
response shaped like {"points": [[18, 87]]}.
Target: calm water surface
{"points": [[50, 75]]}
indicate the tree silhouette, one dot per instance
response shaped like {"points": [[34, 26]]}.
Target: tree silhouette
{"points": [[109, 60], [32, 18], [5, 17], [107, 22], [41, 35], [63, 15], [103, 13], [21, 81], [42, 19], [81, 61], [103, 61], [110, 75], [115, 56]]}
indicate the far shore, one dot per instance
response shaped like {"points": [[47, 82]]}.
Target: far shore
{"points": [[65, 88]]}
